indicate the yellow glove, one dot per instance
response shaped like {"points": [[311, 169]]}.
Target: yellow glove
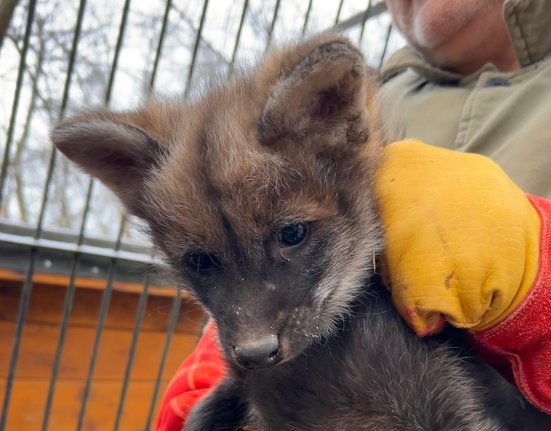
{"points": [[461, 239]]}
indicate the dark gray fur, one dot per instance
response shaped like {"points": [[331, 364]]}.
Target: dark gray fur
{"points": [[373, 375]]}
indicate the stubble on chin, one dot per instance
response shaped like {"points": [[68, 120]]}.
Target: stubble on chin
{"points": [[435, 23]]}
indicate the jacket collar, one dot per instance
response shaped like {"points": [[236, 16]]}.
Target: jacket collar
{"points": [[529, 26]]}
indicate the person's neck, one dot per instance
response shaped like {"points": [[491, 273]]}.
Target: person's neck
{"points": [[504, 61], [472, 48]]}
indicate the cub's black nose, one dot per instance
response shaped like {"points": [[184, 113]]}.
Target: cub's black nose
{"points": [[258, 353]]}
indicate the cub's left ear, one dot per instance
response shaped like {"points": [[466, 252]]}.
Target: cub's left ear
{"points": [[321, 98], [113, 148]]}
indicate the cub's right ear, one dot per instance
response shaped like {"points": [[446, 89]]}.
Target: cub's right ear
{"points": [[119, 154]]}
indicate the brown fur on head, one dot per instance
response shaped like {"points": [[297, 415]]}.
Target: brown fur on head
{"points": [[292, 143]]}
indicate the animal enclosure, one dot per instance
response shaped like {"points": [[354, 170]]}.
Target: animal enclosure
{"points": [[90, 331]]}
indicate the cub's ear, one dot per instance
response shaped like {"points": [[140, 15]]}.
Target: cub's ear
{"points": [[321, 97], [121, 155]]}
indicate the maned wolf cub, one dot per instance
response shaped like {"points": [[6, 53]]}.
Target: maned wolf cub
{"points": [[260, 195]]}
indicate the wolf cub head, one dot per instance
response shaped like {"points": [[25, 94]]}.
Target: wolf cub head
{"points": [[259, 192]]}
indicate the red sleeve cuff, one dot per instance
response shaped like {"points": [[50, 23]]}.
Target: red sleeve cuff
{"points": [[523, 339], [198, 374]]}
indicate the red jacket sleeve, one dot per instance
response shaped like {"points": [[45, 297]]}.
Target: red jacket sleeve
{"points": [[197, 375], [522, 342]]}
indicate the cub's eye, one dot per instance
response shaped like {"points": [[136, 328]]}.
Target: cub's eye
{"points": [[292, 234], [202, 262]]}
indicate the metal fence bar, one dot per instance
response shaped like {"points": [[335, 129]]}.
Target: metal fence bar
{"points": [[27, 285], [67, 306], [196, 47], [306, 18], [385, 46], [106, 296], [364, 21], [272, 25], [69, 295], [132, 350], [21, 315], [63, 107], [18, 85], [66, 311], [339, 10], [361, 17], [104, 308], [116, 55], [173, 319], [89, 250], [160, 45], [238, 37]]}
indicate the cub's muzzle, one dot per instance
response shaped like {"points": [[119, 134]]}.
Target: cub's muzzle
{"points": [[258, 353]]}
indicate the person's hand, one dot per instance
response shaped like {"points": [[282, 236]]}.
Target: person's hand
{"points": [[461, 240]]}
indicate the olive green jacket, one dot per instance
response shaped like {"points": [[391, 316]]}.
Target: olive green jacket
{"points": [[506, 116]]}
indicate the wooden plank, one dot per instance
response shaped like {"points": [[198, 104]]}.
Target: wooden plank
{"points": [[28, 398], [86, 283], [46, 306], [38, 345]]}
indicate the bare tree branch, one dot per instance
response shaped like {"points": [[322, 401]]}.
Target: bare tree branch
{"points": [[182, 17], [6, 12], [21, 143]]}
